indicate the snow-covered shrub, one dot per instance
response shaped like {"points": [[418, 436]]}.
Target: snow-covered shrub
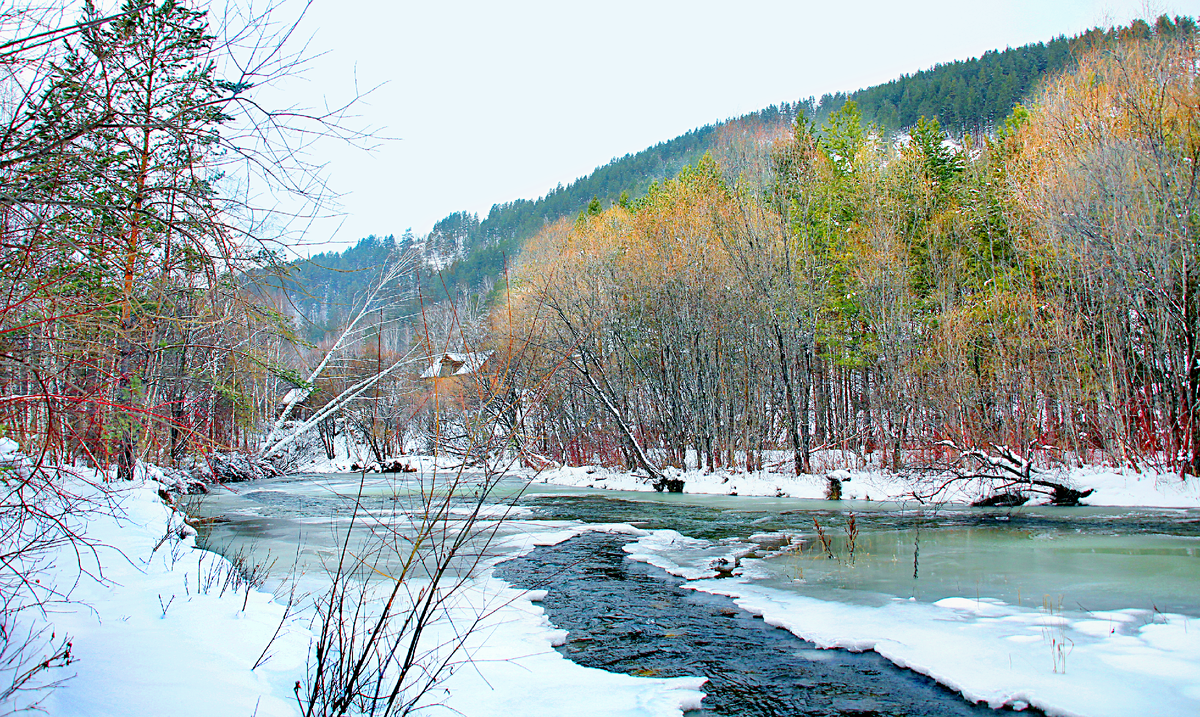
{"points": [[39, 515]]}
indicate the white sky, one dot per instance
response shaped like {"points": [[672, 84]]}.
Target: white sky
{"points": [[494, 101]]}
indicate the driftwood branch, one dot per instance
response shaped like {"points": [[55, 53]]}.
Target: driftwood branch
{"points": [[1004, 477]]}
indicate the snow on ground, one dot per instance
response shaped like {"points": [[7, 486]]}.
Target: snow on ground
{"points": [[1114, 487], [422, 463], [1128, 488], [150, 632], [153, 633], [1097, 664], [870, 486], [307, 455]]}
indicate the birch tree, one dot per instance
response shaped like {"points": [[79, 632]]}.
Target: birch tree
{"points": [[384, 293]]}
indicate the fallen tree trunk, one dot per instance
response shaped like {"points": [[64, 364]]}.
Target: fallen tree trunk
{"points": [[657, 479], [1003, 479]]}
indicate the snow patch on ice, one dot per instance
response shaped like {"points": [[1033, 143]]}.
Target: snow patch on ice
{"points": [[1100, 664], [688, 558], [499, 511]]}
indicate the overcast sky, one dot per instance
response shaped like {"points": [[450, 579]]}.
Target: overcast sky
{"points": [[494, 101]]}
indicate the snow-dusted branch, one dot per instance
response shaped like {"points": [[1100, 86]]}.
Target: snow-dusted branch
{"points": [[376, 297], [999, 473], [334, 405]]}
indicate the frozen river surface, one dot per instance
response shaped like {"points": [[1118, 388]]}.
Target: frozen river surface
{"points": [[1076, 610]]}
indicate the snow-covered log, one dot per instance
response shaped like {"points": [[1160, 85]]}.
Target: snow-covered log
{"points": [[1001, 475]]}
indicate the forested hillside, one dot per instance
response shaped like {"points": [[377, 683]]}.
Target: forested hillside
{"points": [[462, 251], [972, 95], [975, 95]]}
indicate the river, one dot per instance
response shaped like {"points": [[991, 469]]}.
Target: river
{"points": [[1054, 588]]}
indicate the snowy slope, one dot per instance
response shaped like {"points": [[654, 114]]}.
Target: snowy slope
{"points": [[148, 641], [1113, 487]]}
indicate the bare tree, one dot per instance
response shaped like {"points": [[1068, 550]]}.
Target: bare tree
{"points": [[404, 584], [1110, 169], [383, 293]]}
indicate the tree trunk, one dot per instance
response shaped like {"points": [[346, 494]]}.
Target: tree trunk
{"points": [[799, 452], [125, 446], [656, 475]]}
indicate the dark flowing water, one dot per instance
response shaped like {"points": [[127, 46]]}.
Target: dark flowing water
{"points": [[630, 617]]}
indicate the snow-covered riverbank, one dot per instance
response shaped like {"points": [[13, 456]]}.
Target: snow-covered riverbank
{"points": [[1113, 487], [155, 624], [156, 628]]}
